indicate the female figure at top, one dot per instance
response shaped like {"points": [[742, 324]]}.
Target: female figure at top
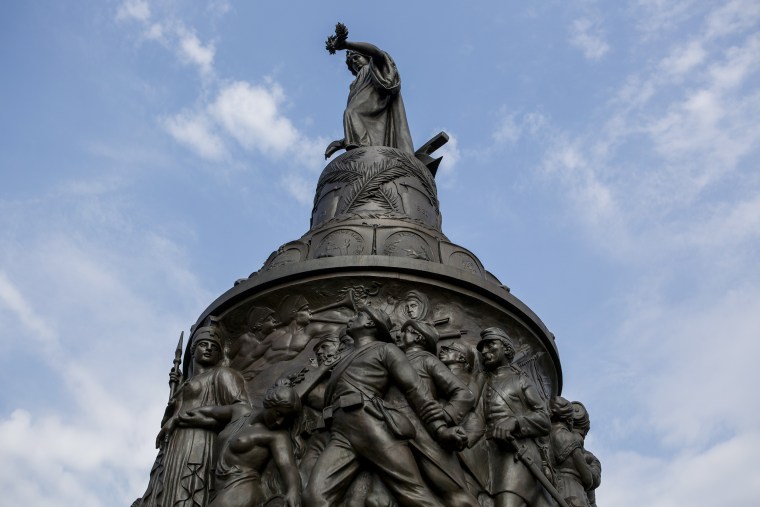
{"points": [[375, 114]]}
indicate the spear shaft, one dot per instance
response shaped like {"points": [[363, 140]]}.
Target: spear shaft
{"points": [[177, 361]]}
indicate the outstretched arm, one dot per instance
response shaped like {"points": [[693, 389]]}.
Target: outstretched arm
{"points": [[340, 41], [367, 49]]}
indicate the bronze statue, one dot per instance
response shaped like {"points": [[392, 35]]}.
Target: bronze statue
{"points": [[439, 467], [248, 444], [416, 306], [375, 114], [460, 358], [363, 430], [248, 347], [572, 473], [369, 421], [515, 415], [327, 350], [296, 328], [581, 426], [182, 477]]}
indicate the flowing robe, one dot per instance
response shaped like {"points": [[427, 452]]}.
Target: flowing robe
{"points": [[375, 114], [183, 476]]}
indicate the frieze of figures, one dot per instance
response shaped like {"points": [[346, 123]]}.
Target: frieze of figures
{"points": [[369, 394]]}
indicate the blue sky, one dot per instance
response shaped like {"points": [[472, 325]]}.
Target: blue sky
{"points": [[603, 164]]}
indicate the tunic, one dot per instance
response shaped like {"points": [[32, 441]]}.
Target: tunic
{"points": [[509, 392], [440, 383], [360, 432]]}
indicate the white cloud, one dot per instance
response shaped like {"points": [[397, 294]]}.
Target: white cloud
{"points": [[252, 116], [299, 187], [446, 175], [688, 140], [155, 32], [137, 10], [658, 17], [720, 475], [196, 132], [512, 126], [705, 344], [733, 17], [683, 59], [666, 184], [508, 130], [14, 301], [88, 295], [192, 51], [587, 36], [173, 34]]}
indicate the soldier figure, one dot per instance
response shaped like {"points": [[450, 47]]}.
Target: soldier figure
{"points": [[515, 415], [460, 359], [573, 473], [440, 467], [582, 425], [327, 350], [363, 428]]}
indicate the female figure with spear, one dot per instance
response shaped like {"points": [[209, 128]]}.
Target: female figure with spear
{"points": [[182, 476]]}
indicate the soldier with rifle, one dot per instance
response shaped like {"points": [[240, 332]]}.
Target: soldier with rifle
{"points": [[515, 415]]}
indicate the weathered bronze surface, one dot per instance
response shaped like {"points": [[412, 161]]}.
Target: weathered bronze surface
{"points": [[372, 361]]}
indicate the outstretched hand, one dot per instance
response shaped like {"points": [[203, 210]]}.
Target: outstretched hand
{"points": [[338, 41]]}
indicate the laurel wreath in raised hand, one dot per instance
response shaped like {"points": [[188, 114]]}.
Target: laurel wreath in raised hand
{"points": [[341, 35]]}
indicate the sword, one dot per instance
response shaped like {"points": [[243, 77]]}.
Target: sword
{"points": [[537, 473]]}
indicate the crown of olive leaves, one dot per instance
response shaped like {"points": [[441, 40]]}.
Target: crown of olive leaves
{"points": [[341, 34]]}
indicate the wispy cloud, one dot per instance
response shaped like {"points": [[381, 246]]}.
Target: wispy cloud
{"points": [[84, 292], [586, 34], [666, 186], [447, 170], [193, 51], [513, 125], [137, 10], [252, 116], [196, 132], [229, 113]]}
